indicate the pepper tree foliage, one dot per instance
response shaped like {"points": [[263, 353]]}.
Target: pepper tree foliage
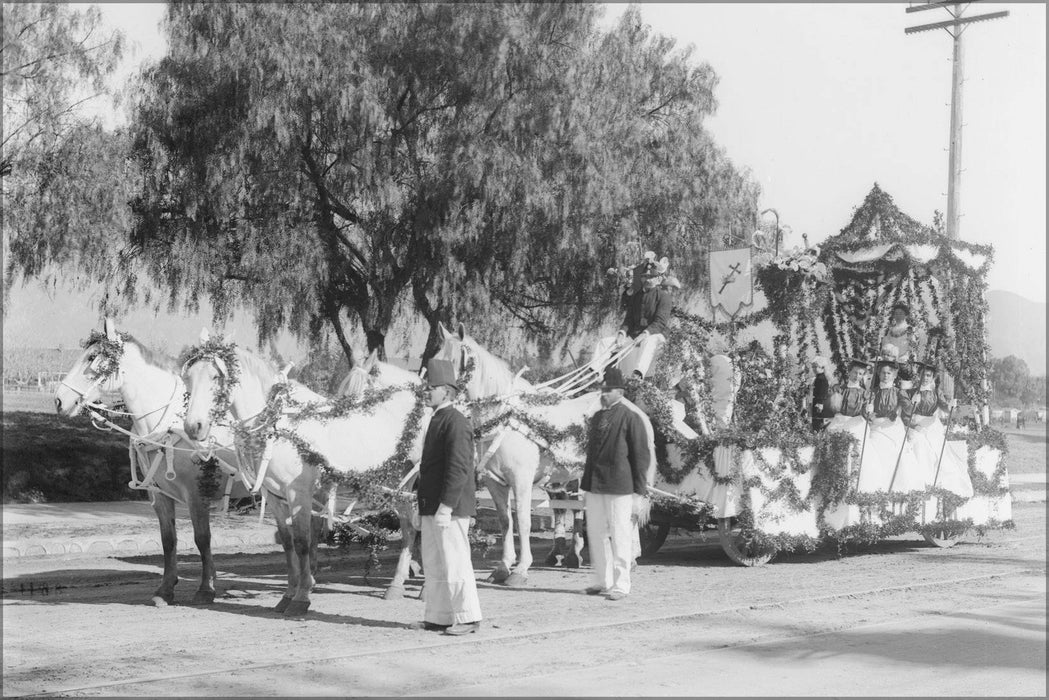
{"points": [[323, 163], [65, 180]]}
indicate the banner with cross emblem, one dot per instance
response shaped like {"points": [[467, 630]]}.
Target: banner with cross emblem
{"points": [[731, 280]]}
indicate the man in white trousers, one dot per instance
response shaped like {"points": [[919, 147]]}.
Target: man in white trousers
{"points": [[447, 500], [615, 482]]}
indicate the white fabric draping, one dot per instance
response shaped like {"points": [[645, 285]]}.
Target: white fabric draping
{"points": [[923, 253], [974, 261], [866, 254]]}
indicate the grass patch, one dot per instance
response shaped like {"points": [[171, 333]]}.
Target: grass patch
{"points": [[49, 458], [1027, 449]]}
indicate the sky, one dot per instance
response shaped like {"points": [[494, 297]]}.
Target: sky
{"points": [[819, 101]]}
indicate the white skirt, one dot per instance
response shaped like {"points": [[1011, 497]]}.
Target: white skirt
{"points": [[885, 439], [927, 444]]}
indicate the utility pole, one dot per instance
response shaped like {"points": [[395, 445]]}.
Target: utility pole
{"points": [[955, 27]]}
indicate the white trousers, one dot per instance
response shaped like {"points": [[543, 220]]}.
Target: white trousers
{"points": [[611, 532], [640, 358], [449, 586]]}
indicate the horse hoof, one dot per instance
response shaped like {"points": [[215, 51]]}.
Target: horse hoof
{"points": [[203, 598], [161, 602], [297, 608], [282, 604], [393, 593], [500, 573], [516, 580]]}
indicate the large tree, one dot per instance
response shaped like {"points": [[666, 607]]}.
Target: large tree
{"points": [[329, 162], [66, 183]]}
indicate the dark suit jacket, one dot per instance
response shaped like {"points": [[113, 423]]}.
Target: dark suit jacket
{"points": [[617, 457], [647, 311], [446, 473]]}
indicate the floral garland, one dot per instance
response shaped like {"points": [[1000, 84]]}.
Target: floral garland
{"points": [[211, 350], [369, 482], [111, 351]]}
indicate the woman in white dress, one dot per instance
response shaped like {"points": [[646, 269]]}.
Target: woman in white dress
{"points": [[927, 437], [888, 411]]}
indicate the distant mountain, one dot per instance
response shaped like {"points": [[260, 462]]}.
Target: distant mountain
{"points": [[1017, 327]]}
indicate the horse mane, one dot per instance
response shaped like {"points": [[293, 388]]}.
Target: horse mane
{"points": [[153, 357], [262, 368], [492, 374], [354, 383]]}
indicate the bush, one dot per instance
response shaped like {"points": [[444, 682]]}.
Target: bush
{"points": [[51, 458]]}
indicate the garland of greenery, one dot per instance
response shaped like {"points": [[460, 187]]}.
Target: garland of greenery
{"points": [[211, 350], [209, 478], [111, 351]]}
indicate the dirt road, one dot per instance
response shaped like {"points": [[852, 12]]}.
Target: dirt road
{"points": [[899, 618]]}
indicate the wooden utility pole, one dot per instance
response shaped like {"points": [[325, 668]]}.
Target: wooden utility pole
{"points": [[955, 27]]}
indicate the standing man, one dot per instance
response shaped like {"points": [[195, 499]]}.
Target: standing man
{"points": [[446, 503], [615, 482]]}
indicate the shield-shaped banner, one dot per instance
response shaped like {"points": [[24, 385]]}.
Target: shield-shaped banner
{"points": [[731, 280]]}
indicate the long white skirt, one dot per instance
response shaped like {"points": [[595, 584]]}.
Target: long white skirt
{"points": [[885, 439], [927, 443], [449, 586]]}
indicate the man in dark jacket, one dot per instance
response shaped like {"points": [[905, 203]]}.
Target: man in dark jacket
{"points": [[446, 503], [648, 307], [820, 394], [615, 482]]}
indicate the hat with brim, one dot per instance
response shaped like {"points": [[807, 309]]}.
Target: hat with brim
{"points": [[887, 362], [613, 379], [858, 362], [440, 373], [920, 367]]}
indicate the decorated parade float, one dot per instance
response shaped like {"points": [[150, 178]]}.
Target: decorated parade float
{"points": [[742, 451], [758, 467]]}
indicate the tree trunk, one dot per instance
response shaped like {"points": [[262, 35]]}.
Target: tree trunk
{"points": [[434, 316], [332, 312]]}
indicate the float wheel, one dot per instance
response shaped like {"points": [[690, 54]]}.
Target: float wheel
{"points": [[738, 549]]}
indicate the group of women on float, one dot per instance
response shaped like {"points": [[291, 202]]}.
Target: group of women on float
{"points": [[897, 425]]}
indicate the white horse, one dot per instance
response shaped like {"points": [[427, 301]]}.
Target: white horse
{"points": [[373, 373], [351, 443], [162, 458], [512, 461]]}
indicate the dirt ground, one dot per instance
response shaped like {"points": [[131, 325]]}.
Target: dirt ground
{"points": [[85, 626]]}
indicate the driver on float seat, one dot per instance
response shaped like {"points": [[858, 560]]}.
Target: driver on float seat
{"points": [[648, 306]]}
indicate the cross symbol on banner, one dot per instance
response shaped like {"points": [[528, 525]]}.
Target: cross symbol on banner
{"points": [[727, 279]]}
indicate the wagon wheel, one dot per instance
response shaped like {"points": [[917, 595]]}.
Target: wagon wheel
{"points": [[942, 538], [653, 535], [737, 549]]}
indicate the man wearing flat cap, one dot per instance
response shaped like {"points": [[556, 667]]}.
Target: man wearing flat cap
{"points": [[446, 503], [615, 482]]}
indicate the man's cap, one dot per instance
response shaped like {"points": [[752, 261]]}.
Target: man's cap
{"points": [[440, 373], [613, 379]]}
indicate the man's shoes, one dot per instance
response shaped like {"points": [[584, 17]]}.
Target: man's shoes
{"points": [[462, 628], [428, 626], [616, 595], [595, 590]]}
